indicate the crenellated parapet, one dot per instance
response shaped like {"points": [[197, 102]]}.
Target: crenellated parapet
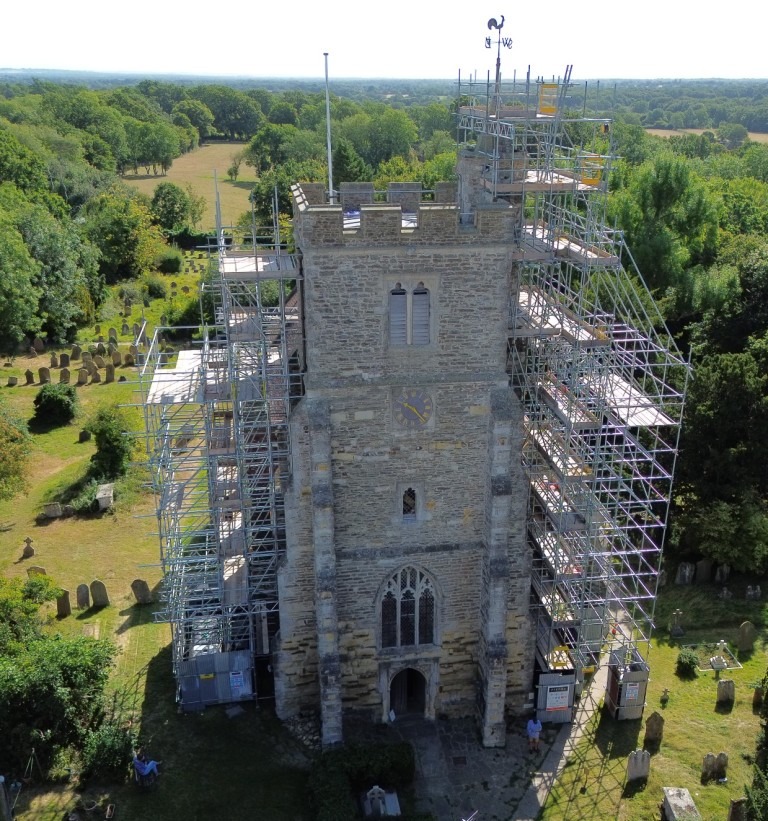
{"points": [[403, 219]]}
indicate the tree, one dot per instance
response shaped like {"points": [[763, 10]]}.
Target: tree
{"points": [[56, 404], [18, 296], [15, 447], [170, 206], [199, 115], [348, 165], [115, 444], [731, 135]]}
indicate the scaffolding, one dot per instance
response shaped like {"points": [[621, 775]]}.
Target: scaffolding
{"points": [[601, 381], [218, 448]]}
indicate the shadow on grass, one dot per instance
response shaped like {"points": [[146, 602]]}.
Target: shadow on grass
{"points": [[632, 788], [724, 708], [616, 739], [136, 615]]}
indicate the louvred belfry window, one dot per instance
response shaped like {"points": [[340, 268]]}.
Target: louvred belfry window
{"points": [[420, 316], [398, 316]]}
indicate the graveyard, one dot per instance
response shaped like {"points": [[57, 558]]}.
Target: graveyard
{"points": [[108, 564]]}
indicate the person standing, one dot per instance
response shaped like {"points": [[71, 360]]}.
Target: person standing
{"points": [[534, 731]]}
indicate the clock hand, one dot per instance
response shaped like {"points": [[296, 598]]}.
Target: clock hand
{"points": [[410, 407]]}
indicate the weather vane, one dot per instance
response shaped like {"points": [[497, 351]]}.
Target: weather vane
{"points": [[502, 41]]}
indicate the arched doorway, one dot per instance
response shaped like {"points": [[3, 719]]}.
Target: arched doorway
{"points": [[407, 693]]}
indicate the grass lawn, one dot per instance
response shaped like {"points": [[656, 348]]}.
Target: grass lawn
{"points": [[593, 786], [671, 132], [197, 169]]}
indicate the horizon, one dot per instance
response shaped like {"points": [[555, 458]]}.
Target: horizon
{"points": [[406, 41]]}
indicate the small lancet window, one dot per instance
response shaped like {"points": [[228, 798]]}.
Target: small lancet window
{"points": [[409, 504], [398, 316]]}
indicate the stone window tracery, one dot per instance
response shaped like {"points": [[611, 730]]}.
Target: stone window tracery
{"points": [[408, 609]]}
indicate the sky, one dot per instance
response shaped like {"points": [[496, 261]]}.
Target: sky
{"points": [[387, 38]]}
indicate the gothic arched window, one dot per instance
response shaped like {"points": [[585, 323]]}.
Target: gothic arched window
{"points": [[408, 609]]}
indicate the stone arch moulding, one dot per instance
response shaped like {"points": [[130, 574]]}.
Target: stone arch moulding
{"points": [[429, 668]]}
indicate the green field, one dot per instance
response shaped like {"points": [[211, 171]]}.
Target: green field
{"points": [[672, 132], [201, 169]]}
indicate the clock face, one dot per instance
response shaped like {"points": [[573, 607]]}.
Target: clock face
{"points": [[413, 408]]}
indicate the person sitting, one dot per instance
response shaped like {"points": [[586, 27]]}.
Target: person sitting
{"points": [[145, 770]]}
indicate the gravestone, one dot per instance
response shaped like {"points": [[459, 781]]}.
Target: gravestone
{"points": [[676, 628], [128, 360], [663, 578], [85, 436], [738, 810], [35, 570], [100, 349], [726, 691], [54, 360], [29, 376], [91, 367], [99, 594], [38, 344], [52, 510], [45, 375], [375, 798], [33, 353], [722, 574], [133, 350], [87, 357], [82, 376], [747, 636], [105, 495], [654, 729], [95, 377], [97, 329], [123, 378], [28, 551], [83, 597], [67, 511], [141, 591], [638, 765], [111, 348], [64, 376], [126, 329], [725, 594], [13, 381], [721, 765], [708, 767], [110, 373], [185, 289], [136, 329], [98, 360], [678, 805], [63, 606], [64, 360], [704, 571], [76, 352], [112, 333], [117, 359], [685, 573]]}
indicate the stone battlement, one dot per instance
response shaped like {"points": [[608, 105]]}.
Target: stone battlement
{"points": [[403, 219]]}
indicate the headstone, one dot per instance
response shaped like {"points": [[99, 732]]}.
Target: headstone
{"points": [[747, 636], [98, 360], [105, 495], [638, 765], [100, 349], [110, 373], [726, 691], [676, 628], [663, 578], [704, 571], [76, 352], [122, 378], [129, 360], [29, 376], [117, 359], [112, 333], [83, 597], [738, 810], [67, 511], [28, 551], [64, 376], [63, 606], [99, 594], [678, 805], [54, 360], [721, 766], [375, 798], [82, 376], [126, 329], [38, 344], [725, 594], [64, 360], [95, 377], [722, 574], [45, 375], [13, 381], [685, 573], [111, 348], [133, 350], [87, 357], [185, 289], [52, 510], [35, 570], [654, 729], [708, 767], [33, 353], [141, 591], [136, 329], [97, 329]]}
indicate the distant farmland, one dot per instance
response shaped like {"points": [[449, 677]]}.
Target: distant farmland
{"points": [[671, 132], [197, 169]]}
